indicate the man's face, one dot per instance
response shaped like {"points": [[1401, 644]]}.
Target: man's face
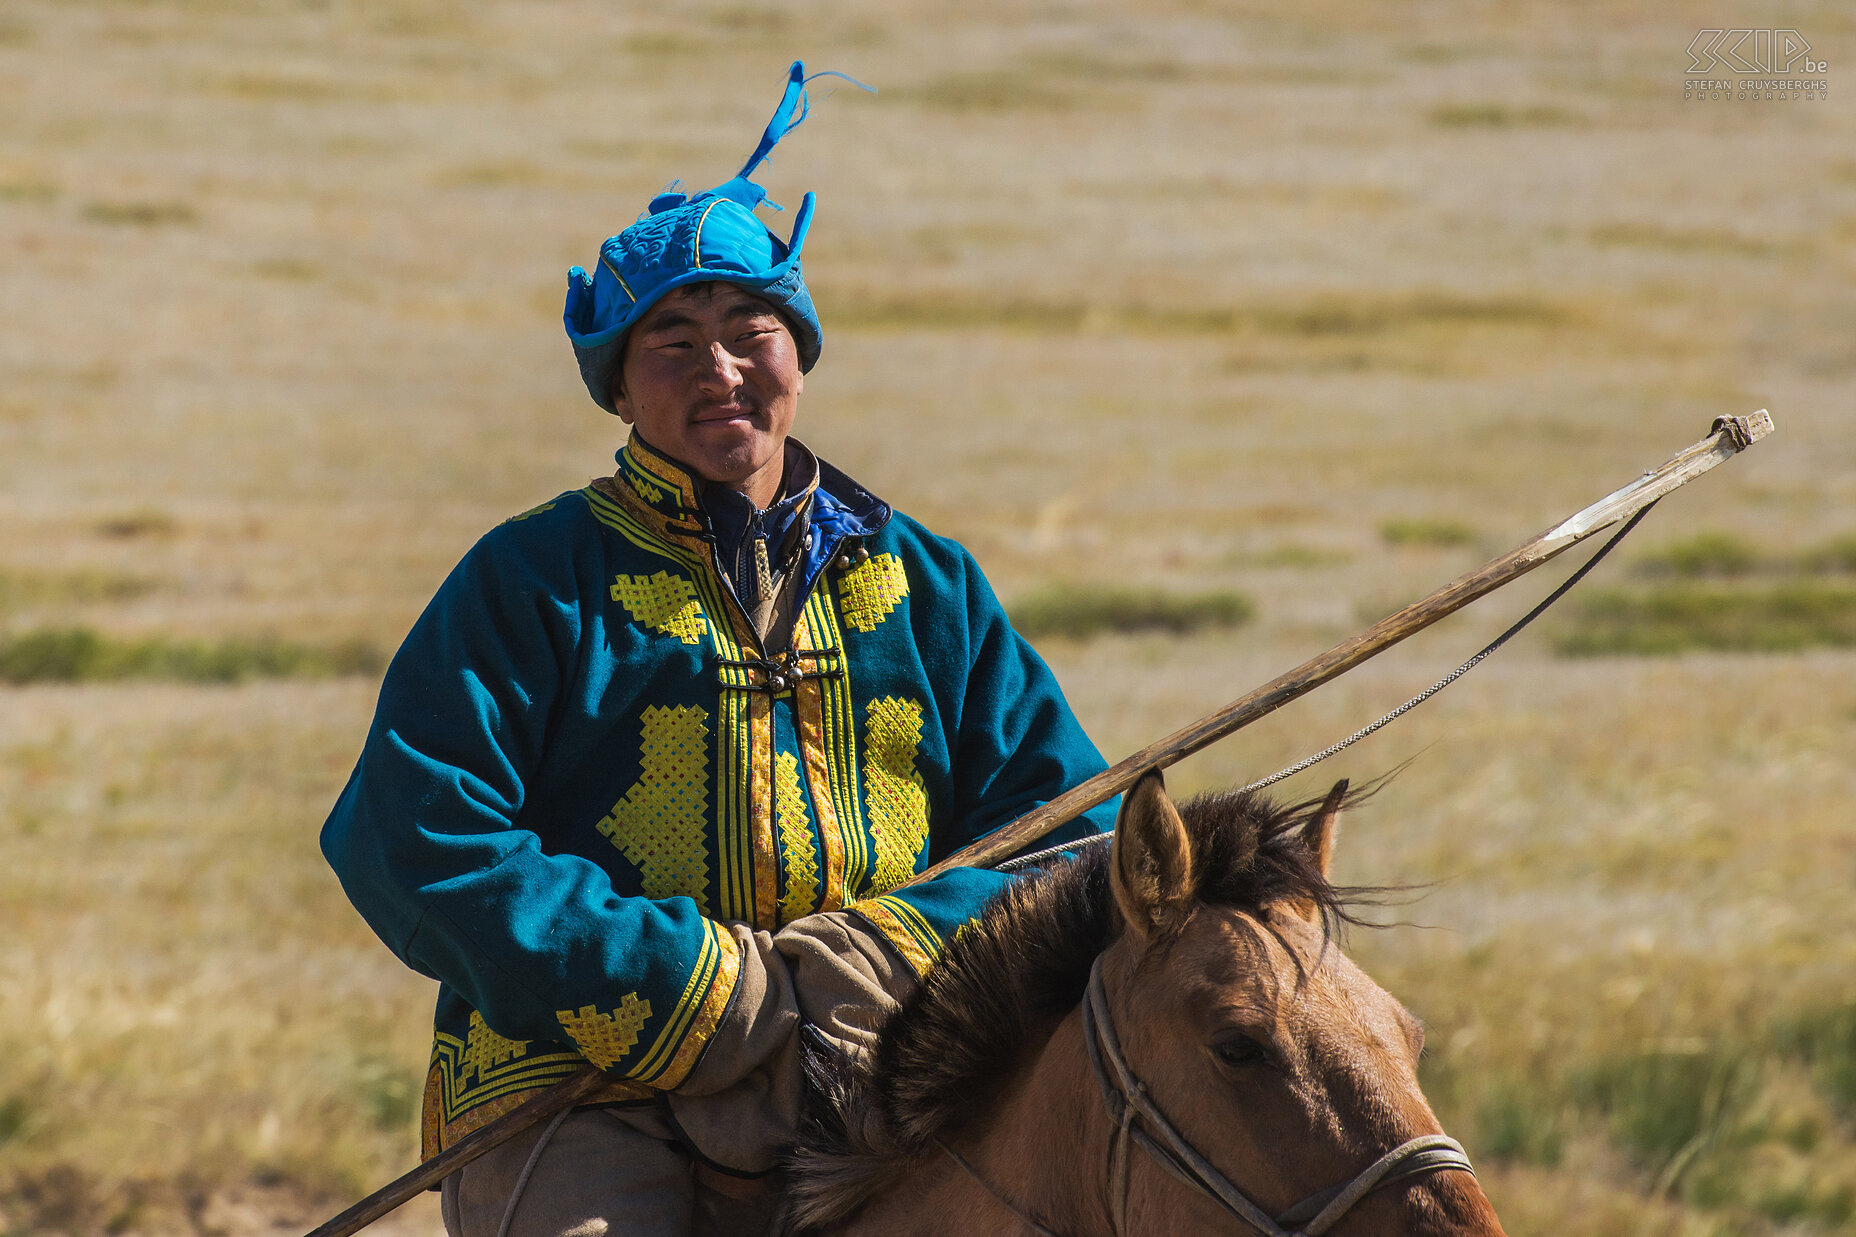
{"points": [[711, 377]]}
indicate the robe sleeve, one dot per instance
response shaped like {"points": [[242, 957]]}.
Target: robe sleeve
{"points": [[430, 842]]}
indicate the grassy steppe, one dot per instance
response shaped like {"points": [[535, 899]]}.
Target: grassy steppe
{"points": [[1307, 309]]}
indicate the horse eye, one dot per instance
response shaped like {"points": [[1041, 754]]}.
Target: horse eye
{"points": [[1240, 1050]]}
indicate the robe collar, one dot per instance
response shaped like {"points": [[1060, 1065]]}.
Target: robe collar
{"points": [[666, 495]]}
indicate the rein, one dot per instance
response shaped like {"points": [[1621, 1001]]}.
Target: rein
{"points": [[1140, 1123], [1049, 852]]}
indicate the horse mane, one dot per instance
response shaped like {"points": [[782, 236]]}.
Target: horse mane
{"points": [[1006, 981]]}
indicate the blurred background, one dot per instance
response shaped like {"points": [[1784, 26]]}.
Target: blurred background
{"points": [[1217, 332]]}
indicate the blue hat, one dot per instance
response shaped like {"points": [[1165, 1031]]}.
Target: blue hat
{"points": [[683, 240]]}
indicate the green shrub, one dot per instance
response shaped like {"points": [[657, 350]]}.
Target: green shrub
{"points": [[13, 1117], [80, 655], [1825, 1040], [140, 214], [1836, 555], [129, 525], [1679, 617], [1706, 554], [67, 656], [1441, 533], [1834, 1205], [1079, 611], [389, 1093], [1519, 1121], [1498, 116], [1295, 555], [1665, 1107], [990, 91], [19, 589]]}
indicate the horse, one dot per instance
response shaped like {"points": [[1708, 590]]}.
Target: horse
{"points": [[1158, 1037]]}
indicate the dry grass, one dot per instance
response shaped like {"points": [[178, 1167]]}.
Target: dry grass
{"points": [[1181, 302]]}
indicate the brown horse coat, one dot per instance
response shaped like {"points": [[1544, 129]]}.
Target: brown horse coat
{"points": [[1279, 1060]]}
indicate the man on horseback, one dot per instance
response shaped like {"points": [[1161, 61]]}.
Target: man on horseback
{"points": [[646, 776]]}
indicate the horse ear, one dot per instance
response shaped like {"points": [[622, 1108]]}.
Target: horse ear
{"points": [[1321, 832], [1152, 861]]}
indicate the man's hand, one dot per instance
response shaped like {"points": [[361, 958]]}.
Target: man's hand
{"points": [[741, 1105]]}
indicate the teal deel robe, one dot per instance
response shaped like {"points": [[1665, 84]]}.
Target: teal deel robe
{"points": [[571, 782]]}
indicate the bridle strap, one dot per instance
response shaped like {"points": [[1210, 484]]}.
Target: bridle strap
{"points": [[1126, 1098], [1023, 1216], [1139, 1121], [1428, 1153]]}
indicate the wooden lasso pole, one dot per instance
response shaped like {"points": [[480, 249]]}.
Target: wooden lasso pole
{"points": [[1729, 436]]}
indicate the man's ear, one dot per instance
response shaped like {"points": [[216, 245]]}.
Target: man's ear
{"points": [[617, 393], [1151, 867]]}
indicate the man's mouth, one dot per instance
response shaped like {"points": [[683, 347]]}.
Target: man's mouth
{"points": [[723, 415]]}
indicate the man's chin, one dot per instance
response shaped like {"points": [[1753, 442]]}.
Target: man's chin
{"points": [[736, 436], [731, 462]]}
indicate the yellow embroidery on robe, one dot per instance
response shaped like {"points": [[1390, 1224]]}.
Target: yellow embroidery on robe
{"points": [[795, 839], [699, 1011], [905, 930], [664, 603], [870, 590], [762, 853], [658, 824], [531, 511], [432, 1114], [650, 493], [604, 1039], [893, 790], [485, 1049]]}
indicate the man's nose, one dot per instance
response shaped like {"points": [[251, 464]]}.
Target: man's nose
{"points": [[723, 372]]}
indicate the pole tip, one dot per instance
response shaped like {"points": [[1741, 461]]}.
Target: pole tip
{"points": [[1743, 432]]}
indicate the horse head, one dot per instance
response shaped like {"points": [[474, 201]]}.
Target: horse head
{"points": [[1159, 1038], [1268, 1051]]}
